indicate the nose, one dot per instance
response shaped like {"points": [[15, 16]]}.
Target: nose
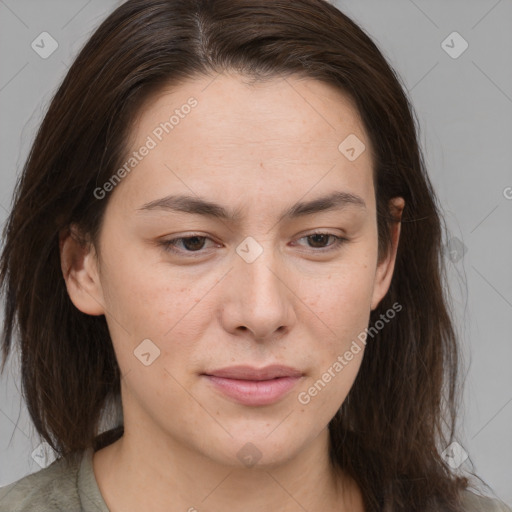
{"points": [[259, 296]]}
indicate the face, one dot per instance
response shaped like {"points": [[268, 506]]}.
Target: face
{"points": [[188, 292]]}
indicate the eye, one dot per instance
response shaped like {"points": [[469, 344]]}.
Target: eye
{"points": [[193, 245], [319, 238]]}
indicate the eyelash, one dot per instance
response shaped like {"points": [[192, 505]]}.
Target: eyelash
{"points": [[169, 245]]}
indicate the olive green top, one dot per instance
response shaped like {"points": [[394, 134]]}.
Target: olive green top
{"points": [[73, 488]]}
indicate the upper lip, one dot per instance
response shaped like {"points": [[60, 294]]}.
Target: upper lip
{"points": [[251, 373]]}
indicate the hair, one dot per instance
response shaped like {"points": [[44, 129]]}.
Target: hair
{"points": [[402, 408]]}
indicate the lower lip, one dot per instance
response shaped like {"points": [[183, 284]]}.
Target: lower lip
{"points": [[254, 392]]}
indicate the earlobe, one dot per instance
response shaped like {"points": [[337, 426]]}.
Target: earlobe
{"points": [[385, 269], [80, 272]]}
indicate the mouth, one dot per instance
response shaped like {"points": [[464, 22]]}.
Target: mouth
{"points": [[254, 386]]}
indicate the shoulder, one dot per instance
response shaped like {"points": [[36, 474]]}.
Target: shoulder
{"points": [[52, 488], [474, 503]]}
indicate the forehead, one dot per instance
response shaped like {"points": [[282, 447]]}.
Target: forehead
{"points": [[220, 137], [277, 111]]}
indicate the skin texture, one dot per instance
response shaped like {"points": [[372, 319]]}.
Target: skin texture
{"points": [[260, 148]]}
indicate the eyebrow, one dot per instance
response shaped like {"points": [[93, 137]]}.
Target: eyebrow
{"points": [[194, 205]]}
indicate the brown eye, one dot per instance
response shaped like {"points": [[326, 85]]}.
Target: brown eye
{"points": [[320, 239], [190, 244]]}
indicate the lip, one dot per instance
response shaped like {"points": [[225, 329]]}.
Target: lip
{"points": [[250, 373], [254, 386]]}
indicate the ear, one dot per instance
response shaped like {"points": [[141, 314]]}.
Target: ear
{"points": [[80, 271], [384, 271]]}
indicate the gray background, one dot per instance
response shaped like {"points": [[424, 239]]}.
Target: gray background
{"points": [[464, 106]]}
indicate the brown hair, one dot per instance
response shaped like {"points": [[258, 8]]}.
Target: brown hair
{"points": [[389, 431]]}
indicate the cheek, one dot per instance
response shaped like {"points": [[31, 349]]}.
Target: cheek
{"points": [[343, 298], [145, 296], [157, 303], [342, 304]]}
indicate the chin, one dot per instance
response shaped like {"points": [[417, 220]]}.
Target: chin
{"points": [[256, 451]]}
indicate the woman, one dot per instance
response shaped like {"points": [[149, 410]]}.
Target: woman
{"points": [[226, 231]]}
